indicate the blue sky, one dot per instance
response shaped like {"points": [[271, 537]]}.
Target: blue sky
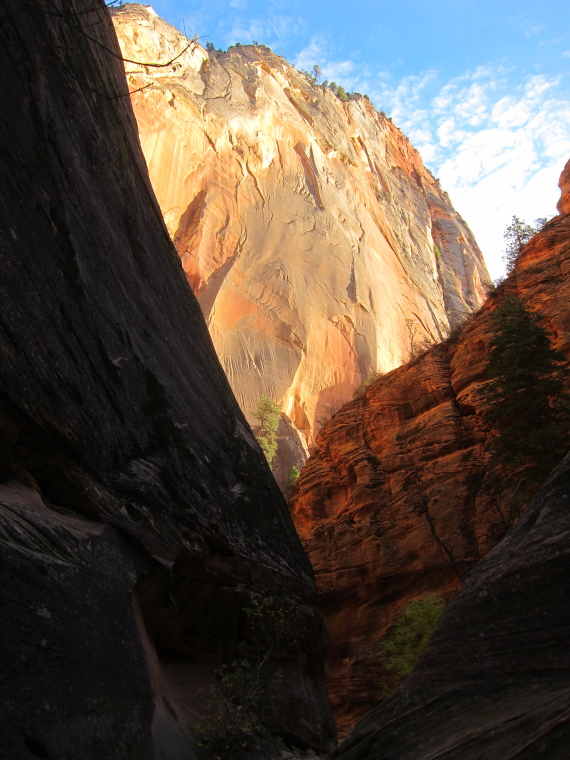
{"points": [[481, 88]]}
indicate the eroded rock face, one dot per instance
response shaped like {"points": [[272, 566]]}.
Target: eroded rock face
{"points": [[319, 246], [133, 496], [400, 500], [493, 681], [563, 205]]}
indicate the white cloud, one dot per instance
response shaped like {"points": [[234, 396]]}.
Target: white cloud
{"points": [[497, 145], [271, 31], [566, 54], [313, 53], [348, 73], [535, 29]]}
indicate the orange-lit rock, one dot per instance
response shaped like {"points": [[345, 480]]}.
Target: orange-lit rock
{"points": [[306, 226], [400, 500], [563, 205]]}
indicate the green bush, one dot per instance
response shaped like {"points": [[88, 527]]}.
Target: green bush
{"points": [[237, 705], [408, 638], [292, 478], [374, 375], [268, 412]]}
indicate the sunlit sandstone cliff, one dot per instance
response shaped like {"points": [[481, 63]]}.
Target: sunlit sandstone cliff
{"points": [[399, 499], [319, 246]]}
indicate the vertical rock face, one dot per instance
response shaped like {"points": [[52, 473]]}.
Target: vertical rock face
{"points": [[494, 680], [133, 497], [564, 184], [400, 499], [319, 246]]}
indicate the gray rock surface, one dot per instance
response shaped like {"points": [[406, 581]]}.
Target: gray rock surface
{"points": [[494, 682], [133, 496]]}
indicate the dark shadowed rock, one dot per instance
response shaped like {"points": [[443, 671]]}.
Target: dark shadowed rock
{"points": [[134, 498], [494, 682]]}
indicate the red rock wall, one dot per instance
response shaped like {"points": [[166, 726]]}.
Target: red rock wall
{"points": [[399, 498]]}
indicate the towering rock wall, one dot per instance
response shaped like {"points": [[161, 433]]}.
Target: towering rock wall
{"points": [[400, 499], [319, 246], [134, 500]]}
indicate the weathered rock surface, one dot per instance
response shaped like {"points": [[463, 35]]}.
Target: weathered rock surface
{"points": [[319, 246], [133, 497], [494, 681], [400, 499], [563, 205]]}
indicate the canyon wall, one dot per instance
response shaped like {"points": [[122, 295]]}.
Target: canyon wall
{"points": [[137, 513], [400, 498], [319, 246]]}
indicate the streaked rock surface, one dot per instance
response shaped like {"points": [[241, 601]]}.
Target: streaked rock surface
{"points": [[134, 499], [494, 680], [319, 246]]}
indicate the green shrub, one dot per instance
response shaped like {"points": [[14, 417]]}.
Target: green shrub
{"points": [[268, 412], [237, 705], [408, 638], [292, 478], [359, 392]]}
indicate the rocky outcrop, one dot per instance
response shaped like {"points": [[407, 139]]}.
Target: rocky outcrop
{"points": [[494, 680], [563, 205], [400, 498], [133, 496], [319, 246]]}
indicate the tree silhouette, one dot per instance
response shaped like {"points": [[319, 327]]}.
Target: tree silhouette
{"points": [[527, 402]]}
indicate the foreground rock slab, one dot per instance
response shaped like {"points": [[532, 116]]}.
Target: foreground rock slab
{"points": [[133, 496], [494, 681]]}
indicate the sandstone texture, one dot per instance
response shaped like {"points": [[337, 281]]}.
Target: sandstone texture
{"points": [[494, 680], [400, 498], [133, 496], [563, 205], [319, 246]]}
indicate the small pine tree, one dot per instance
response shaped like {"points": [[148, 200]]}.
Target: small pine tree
{"points": [[269, 414], [517, 235], [528, 405], [292, 478]]}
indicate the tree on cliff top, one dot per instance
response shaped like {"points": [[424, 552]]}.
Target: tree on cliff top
{"points": [[269, 414], [528, 405], [517, 235]]}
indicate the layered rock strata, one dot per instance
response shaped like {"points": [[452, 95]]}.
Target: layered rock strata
{"points": [[494, 680], [133, 496], [400, 499], [319, 246]]}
